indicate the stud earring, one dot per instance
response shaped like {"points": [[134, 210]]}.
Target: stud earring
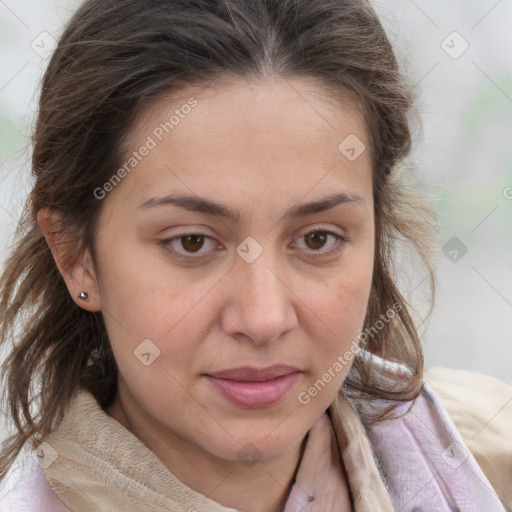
{"points": [[83, 296]]}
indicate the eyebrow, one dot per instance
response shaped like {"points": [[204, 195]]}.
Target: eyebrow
{"points": [[209, 207]]}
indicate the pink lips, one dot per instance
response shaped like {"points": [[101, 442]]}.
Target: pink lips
{"points": [[252, 388]]}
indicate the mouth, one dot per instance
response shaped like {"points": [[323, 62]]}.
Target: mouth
{"points": [[253, 388]]}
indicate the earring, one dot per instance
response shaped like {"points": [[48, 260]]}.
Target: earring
{"points": [[83, 296]]}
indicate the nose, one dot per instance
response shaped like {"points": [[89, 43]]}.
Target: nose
{"points": [[261, 305]]}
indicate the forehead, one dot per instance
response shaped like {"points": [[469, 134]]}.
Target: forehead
{"points": [[286, 134], [265, 106]]}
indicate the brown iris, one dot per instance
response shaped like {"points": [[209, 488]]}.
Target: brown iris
{"points": [[192, 243], [317, 239]]}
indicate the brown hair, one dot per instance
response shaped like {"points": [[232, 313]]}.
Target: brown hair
{"points": [[113, 58]]}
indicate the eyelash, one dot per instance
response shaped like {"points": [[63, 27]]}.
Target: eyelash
{"points": [[340, 242]]}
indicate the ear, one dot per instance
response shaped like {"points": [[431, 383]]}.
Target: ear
{"points": [[76, 270]]}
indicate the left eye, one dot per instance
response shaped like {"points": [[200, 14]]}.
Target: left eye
{"points": [[315, 240]]}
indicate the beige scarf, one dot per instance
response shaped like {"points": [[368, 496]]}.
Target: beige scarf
{"points": [[97, 465]]}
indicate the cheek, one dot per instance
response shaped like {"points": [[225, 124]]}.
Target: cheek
{"points": [[337, 325], [341, 301], [338, 311], [144, 293], [142, 300], [334, 339]]}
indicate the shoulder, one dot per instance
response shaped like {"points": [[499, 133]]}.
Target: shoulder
{"points": [[422, 451], [480, 406], [25, 488]]}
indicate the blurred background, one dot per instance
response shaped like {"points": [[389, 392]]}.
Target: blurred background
{"points": [[458, 55]]}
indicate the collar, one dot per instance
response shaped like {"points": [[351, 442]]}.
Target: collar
{"points": [[94, 463]]}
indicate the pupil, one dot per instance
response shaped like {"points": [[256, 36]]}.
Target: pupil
{"points": [[192, 243]]}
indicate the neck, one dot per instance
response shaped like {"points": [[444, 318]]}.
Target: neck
{"points": [[260, 487]]}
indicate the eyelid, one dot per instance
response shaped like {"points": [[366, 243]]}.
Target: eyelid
{"points": [[319, 227]]}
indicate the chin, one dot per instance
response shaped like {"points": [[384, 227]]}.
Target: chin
{"points": [[255, 441]]}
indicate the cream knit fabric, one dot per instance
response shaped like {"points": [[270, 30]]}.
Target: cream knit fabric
{"points": [[481, 409], [102, 467]]}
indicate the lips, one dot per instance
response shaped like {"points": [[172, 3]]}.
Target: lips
{"points": [[252, 387], [247, 373]]}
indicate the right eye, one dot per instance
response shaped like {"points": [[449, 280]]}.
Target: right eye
{"points": [[185, 245]]}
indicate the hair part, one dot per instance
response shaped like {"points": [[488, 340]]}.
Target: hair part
{"points": [[116, 56]]}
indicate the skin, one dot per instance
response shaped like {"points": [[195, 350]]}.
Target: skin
{"points": [[261, 148]]}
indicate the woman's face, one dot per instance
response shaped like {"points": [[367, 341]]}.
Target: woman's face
{"points": [[241, 235]]}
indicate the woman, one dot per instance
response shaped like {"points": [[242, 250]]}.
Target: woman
{"points": [[206, 262]]}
